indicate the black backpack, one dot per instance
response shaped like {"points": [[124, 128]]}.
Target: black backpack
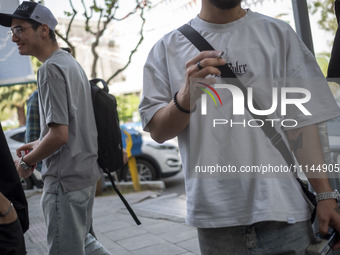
{"points": [[110, 145], [110, 151]]}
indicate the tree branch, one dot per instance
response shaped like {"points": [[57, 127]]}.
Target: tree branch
{"points": [[134, 50]]}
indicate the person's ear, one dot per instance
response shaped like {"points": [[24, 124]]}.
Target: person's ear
{"points": [[44, 30]]}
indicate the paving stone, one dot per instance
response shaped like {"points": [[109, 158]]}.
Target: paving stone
{"points": [[111, 225], [164, 249], [122, 234], [116, 249], [182, 233], [138, 242], [191, 245], [104, 240], [162, 226]]}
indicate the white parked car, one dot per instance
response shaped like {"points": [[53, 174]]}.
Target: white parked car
{"points": [[154, 162], [15, 138]]}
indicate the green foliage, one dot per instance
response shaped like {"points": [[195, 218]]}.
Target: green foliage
{"points": [[68, 14], [327, 17], [13, 97], [323, 61], [35, 64], [127, 106]]}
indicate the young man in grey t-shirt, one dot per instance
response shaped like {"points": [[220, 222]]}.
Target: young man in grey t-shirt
{"points": [[68, 142]]}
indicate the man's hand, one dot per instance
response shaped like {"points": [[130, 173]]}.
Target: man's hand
{"points": [[306, 144], [198, 69], [56, 137], [23, 173], [168, 121], [28, 146], [329, 216]]}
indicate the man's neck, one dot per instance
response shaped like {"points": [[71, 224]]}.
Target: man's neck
{"points": [[46, 52], [212, 14]]}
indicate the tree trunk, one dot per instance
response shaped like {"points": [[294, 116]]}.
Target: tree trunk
{"points": [[21, 115]]}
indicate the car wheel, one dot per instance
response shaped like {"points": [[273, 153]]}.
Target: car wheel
{"points": [[146, 171], [27, 183]]}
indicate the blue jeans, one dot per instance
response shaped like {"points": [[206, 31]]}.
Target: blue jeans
{"points": [[264, 238], [68, 218]]}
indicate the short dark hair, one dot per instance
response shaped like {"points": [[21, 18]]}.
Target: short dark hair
{"points": [[35, 26]]}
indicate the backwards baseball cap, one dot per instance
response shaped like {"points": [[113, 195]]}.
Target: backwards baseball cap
{"points": [[30, 11]]}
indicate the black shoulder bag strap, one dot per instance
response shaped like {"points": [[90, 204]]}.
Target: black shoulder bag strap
{"points": [[276, 139], [226, 72]]}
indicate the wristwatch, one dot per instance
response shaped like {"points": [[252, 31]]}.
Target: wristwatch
{"points": [[328, 195], [24, 165]]}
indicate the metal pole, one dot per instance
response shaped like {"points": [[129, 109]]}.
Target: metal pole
{"points": [[302, 23]]}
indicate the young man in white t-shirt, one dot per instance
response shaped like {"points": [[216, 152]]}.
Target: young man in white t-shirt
{"points": [[248, 212]]}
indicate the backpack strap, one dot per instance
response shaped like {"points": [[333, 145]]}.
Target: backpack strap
{"points": [[134, 216]]}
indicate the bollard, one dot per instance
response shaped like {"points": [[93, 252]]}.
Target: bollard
{"points": [[132, 163]]}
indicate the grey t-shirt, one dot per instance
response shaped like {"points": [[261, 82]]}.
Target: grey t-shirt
{"points": [[65, 98]]}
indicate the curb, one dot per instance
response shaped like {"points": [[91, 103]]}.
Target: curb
{"points": [[145, 185]]}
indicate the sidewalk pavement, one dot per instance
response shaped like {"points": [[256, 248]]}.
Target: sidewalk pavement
{"points": [[163, 230]]}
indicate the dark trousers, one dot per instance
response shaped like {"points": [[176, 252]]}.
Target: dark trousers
{"points": [[12, 240]]}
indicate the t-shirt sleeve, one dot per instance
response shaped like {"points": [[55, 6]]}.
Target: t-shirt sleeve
{"points": [[303, 72], [156, 88], [54, 97]]}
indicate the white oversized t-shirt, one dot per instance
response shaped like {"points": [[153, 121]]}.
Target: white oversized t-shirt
{"points": [[264, 53]]}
